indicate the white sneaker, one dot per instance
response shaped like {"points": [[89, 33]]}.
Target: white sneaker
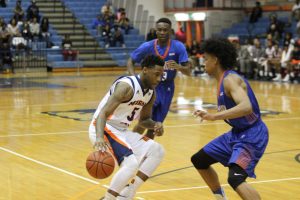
{"points": [[127, 193], [277, 78], [286, 78]]}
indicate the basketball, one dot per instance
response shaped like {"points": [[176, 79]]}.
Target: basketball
{"points": [[100, 164]]}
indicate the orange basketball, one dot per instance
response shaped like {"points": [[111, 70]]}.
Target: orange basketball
{"points": [[100, 164]]}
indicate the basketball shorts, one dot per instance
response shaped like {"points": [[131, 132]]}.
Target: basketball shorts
{"points": [[243, 148], [123, 143], [164, 95]]}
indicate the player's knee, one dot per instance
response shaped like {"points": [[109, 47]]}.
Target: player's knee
{"points": [[236, 176], [201, 160], [157, 150], [130, 162]]}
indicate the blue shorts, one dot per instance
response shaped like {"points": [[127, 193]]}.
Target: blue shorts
{"points": [[164, 95], [243, 148]]}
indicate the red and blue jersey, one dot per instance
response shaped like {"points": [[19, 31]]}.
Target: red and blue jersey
{"points": [[225, 103]]}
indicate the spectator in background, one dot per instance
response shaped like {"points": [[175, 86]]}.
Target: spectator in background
{"points": [[26, 33], [296, 11], [4, 35], [34, 28], [33, 11], [120, 11], [117, 37], [124, 22], [67, 49], [18, 12], [256, 13], [288, 37], [151, 35], [3, 3], [44, 29], [181, 35], [13, 28], [275, 28], [5, 54], [97, 24], [106, 34], [108, 9]]}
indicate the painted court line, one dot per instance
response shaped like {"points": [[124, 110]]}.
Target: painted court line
{"points": [[223, 185], [49, 166], [169, 126], [143, 192]]}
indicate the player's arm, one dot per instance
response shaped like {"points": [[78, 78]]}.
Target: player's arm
{"points": [[130, 66], [146, 121], [236, 89], [185, 68], [122, 93]]}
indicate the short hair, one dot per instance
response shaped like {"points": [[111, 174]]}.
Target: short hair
{"points": [[164, 20], [151, 60], [223, 49]]}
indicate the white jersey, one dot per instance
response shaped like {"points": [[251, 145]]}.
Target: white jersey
{"points": [[126, 112]]}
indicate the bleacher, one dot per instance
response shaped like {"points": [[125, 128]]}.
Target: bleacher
{"points": [[244, 30], [86, 11]]}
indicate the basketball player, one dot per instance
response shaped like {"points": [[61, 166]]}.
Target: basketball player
{"points": [[128, 98], [174, 54], [240, 148]]}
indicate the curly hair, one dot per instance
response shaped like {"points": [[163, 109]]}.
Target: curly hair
{"points": [[151, 60], [223, 49]]}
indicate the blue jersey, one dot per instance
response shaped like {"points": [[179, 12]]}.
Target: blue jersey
{"points": [[225, 103], [175, 50]]}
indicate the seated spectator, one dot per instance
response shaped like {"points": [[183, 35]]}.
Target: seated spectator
{"points": [[3, 3], [26, 33], [4, 35], [293, 67], [35, 28], [151, 35], [120, 11], [117, 37], [124, 22], [13, 28], [108, 9], [19, 42], [44, 29], [18, 12], [275, 28], [180, 35], [67, 49], [288, 37], [257, 53], [106, 33], [97, 24], [33, 11], [244, 60]]}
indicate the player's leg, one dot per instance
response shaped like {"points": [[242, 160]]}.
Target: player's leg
{"points": [[149, 155], [125, 157], [218, 150], [202, 162]]}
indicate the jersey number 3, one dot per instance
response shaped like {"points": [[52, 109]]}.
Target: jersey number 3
{"points": [[130, 118]]}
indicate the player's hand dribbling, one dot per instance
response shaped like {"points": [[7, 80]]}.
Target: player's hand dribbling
{"points": [[100, 144], [158, 129]]}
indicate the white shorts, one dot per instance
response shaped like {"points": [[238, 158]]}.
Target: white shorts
{"points": [[124, 143]]}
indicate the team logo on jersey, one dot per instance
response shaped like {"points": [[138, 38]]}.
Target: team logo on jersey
{"points": [[137, 103]]}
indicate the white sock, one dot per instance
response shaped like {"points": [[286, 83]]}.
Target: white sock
{"points": [[109, 196]]}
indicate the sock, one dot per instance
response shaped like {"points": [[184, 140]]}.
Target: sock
{"points": [[219, 194], [125, 173], [109, 196], [136, 183]]}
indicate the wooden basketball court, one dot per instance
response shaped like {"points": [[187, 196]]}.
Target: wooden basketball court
{"points": [[44, 121]]}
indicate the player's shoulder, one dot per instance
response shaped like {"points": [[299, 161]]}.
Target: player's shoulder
{"points": [[178, 45], [148, 43]]}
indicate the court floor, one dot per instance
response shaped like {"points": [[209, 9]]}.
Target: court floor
{"points": [[44, 142]]}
